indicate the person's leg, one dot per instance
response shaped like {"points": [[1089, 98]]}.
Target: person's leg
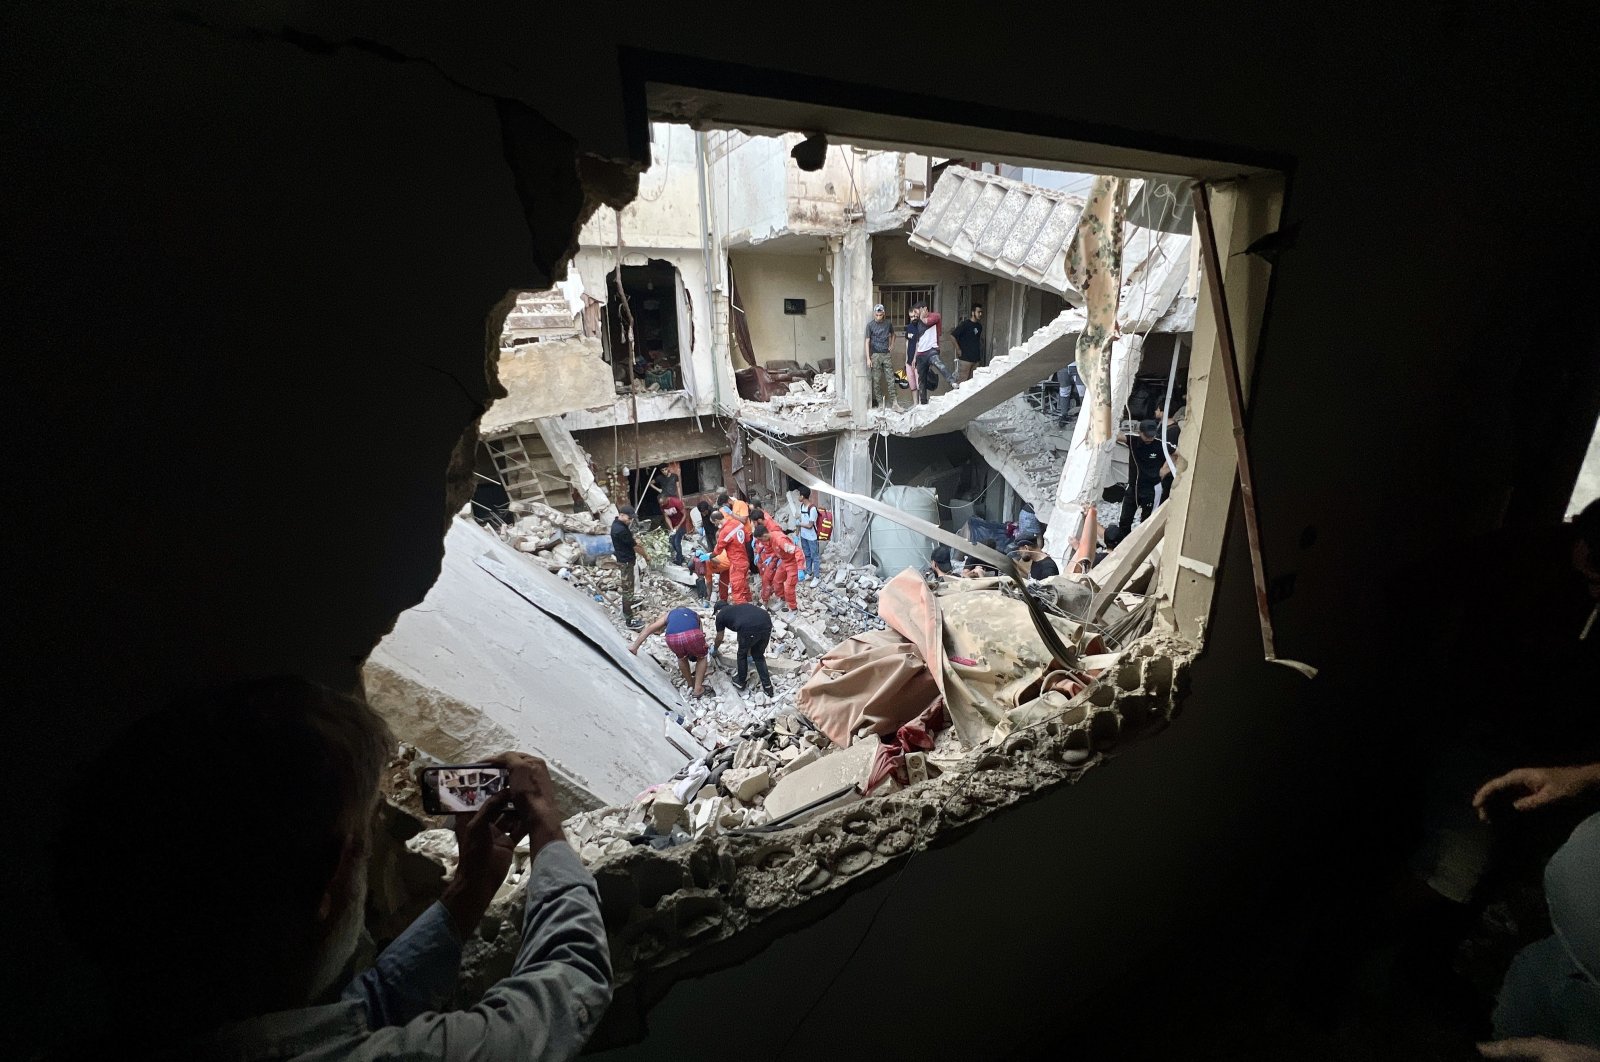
{"points": [[964, 370], [627, 592], [812, 548], [677, 545], [758, 653], [700, 675], [739, 577], [791, 583], [742, 663], [683, 669]]}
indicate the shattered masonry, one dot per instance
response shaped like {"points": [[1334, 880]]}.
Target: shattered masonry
{"points": [[712, 824], [661, 905]]}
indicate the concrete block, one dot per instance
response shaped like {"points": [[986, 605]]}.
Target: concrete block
{"points": [[667, 811], [747, 783], [805, 758], [825, 776], [783, 665]]}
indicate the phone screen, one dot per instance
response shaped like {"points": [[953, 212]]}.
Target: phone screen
{"points": [[460, 789]]}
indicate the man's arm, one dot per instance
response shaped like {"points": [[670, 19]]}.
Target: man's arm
{"points": [[417, 972], [654, 627], [560, 984], [1538, 786]]}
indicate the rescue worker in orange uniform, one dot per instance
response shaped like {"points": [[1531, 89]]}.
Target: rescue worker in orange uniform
{"points": [[732, 548], [780, 563]]}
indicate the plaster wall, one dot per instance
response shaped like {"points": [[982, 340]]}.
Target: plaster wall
{"points": [[707, 376], [758, 192], [765, 280], [666, 212]]}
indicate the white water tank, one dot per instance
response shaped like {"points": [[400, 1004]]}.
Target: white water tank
{"points": [[895, 548]]}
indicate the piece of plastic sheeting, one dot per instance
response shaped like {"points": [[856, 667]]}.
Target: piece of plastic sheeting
{"points": [[876, 679]]}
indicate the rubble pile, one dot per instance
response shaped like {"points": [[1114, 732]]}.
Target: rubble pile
{"points": [[819, 392], [725, 790], [755, 738], [547, 534]]}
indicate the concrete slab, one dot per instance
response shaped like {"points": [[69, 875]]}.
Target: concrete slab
{"points": [[503, 654], [827, 776]]}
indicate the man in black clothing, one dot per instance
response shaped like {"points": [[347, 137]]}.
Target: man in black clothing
{"points": [[625, 547], [753, 629], [1040, 564], [969, 337], [1150, 471]]}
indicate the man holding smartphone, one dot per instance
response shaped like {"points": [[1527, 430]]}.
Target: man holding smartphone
{"points": [[235, 922]]}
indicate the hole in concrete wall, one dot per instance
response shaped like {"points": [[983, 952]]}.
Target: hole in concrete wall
{"points": [[992, 452]]}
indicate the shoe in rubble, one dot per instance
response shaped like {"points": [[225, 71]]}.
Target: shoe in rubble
{"points": [[635, 624]]}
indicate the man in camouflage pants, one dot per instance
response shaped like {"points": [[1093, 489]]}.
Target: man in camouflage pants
{"points": [[880, 333]]}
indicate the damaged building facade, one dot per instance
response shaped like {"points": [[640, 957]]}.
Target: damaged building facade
{"points": [[710, 334]]}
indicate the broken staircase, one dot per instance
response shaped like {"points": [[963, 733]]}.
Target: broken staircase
{"points": [[529, 472]]}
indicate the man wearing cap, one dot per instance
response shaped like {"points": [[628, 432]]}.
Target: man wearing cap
{"points": [[880, 333], [1152, 464], [625, 547]]}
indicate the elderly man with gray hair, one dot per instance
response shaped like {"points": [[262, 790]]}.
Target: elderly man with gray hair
{"points": [[224, 924]]}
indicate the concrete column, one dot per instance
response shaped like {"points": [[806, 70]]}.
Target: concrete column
{"points": [[852, 471], [1088, 467], [852, 305]]}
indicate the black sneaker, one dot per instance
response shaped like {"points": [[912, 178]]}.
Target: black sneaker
{"points": [[739, 683], [635, 624], [767, 689]]}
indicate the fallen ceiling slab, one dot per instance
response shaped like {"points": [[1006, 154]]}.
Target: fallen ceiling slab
{"points": [[503, 654]]}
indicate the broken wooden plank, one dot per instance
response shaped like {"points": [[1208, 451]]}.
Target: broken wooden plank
{"points": [[1113, 573]]}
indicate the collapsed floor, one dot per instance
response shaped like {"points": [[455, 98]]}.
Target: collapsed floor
{"points": [[782, 801]]}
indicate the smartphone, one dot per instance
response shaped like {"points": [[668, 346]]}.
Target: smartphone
{"points": [[461, 788]]}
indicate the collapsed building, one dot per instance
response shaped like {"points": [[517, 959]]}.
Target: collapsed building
{"points": [[266, 462], [708, 336]]}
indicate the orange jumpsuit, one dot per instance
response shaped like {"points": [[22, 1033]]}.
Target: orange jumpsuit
{"points": [[731, 545], [780, 565]]}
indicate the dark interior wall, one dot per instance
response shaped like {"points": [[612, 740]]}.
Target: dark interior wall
{"points": [[250, 278], [250, 286]]}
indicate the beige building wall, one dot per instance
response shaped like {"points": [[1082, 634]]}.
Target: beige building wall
{"points": [[765, 280]]}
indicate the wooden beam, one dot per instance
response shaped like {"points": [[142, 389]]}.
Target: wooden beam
{"points": [[1113, 573]]}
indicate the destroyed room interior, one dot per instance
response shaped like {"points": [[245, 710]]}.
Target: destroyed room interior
{"points": [[941, 536]]}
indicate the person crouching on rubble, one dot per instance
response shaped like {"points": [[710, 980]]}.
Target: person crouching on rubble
{"points": [[228, 932], [686, 640], [752, 628], [780, 569]]}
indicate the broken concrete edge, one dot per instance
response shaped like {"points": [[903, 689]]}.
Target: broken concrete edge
{"points": [[685, 911]]}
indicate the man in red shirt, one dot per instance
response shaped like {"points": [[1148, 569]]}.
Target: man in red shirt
{"points": [[673, 512]]}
